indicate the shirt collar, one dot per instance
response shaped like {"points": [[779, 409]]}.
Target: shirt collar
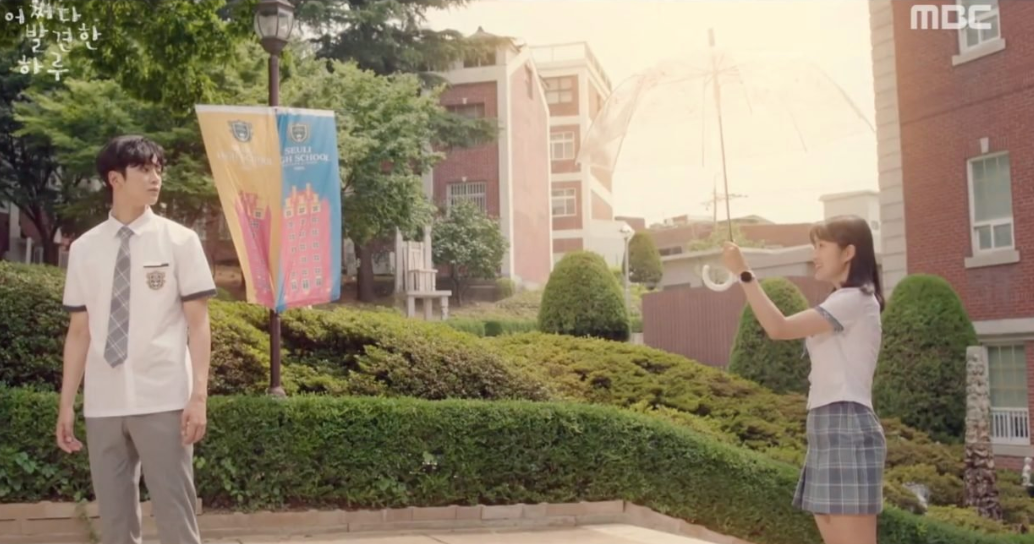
{"points": [[138, 226]]}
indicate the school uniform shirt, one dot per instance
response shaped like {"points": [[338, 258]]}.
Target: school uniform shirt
{"points": [[843, 361], [167, 267]]}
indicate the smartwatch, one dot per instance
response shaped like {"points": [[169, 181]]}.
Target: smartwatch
{"points": [[746, 276]]}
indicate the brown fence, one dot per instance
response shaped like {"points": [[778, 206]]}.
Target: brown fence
{"points": [[700, 324]]}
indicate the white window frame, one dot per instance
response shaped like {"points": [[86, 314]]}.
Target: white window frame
{"points": [[569, 196], [1009, 418], [561, 146], [992, 223], [473, 191], [994, 15]]}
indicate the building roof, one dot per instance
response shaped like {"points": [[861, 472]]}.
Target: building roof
{"points": [[774, 235]]}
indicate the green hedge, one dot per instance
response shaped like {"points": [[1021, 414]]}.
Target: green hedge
{"points": [[582, 298], [347, 452], [492, 327], [921, 375], [777, 364]]}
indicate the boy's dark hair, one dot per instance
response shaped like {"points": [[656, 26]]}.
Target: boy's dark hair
{"points": [[122, 152]]}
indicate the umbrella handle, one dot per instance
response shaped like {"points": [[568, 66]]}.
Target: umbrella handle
{"points": [[705, 274]]}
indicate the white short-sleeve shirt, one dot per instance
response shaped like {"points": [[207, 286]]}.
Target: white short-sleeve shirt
{"points": [[843, 361], [168, 267]]}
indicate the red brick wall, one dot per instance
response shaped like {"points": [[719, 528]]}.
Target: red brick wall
{"points": [[570, 165], [479, 163], [701, 324], [945, 110], [531, 192], [573, 222], [563, 245], [600, 208]]}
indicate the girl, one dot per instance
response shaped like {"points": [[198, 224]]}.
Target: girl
{"points": [[842, 479]]}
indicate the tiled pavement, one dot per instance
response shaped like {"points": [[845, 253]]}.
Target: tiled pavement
{"points": [[594, 534]]}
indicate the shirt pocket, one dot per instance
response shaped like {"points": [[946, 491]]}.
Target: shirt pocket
{"points": [[158, 279]]}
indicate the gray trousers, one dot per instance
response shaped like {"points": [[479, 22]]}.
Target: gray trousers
{"points": [[119, 447]]}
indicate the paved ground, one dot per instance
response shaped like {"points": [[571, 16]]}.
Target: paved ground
{"points": [[598, 534]]}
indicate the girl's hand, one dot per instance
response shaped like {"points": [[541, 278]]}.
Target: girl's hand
{"points": [[733, 259]]}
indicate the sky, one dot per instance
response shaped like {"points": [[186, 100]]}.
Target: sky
{"points": [[631, 36]]}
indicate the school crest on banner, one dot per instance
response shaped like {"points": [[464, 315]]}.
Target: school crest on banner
{"points": [[276, 172]]}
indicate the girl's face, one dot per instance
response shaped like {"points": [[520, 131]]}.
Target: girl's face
{"points": [[832, 263]]}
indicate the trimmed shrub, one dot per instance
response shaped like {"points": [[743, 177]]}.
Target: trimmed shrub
{"points": [[505, 288], [313, 452], [921, 376], [582, 298], [644, 259], [35, 325], [493, 327], [777, 364], [408, 358]]}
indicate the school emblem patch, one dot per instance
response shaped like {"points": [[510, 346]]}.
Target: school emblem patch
{"points": [[299, 132], [156, 279], [241, 130]]}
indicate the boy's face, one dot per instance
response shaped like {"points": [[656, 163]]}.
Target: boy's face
{"points": [[141, 185]]}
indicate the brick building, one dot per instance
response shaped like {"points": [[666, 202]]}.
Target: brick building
{"points": [[510, 177], [582, 198], [957, 182]]}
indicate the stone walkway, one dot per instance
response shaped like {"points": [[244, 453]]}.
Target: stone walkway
{"points": [[596, 534]]}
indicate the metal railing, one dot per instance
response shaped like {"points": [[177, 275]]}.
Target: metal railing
{"points": [[1010, 426]]}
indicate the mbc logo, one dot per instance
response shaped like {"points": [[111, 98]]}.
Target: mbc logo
{"points": [[925, 16]]}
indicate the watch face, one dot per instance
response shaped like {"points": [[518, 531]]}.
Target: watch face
{"points": [[746, 276]]}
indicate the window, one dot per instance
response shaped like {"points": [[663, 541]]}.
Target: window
{"points": [[288, 212], [315, 208], [1007, 376], [561, 146], [970, 38], [1007, 366], [565, 202], [301, 211], [473, 110], [474, 192], [559, 90], [990, 203], [319, 282], [305, 285]]}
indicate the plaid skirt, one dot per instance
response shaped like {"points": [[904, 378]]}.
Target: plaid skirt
{"points": [[843, 469]]}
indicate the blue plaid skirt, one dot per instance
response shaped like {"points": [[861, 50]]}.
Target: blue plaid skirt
{"points": [[843, 469]]}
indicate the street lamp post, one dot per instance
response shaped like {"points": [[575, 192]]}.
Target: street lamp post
{"points": [[274, 20], [627, 232]]}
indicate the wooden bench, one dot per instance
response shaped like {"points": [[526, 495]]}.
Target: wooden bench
{"points": [[420, 284]]}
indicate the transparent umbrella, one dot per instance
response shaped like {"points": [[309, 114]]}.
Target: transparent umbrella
{"points": [[717, 107]]}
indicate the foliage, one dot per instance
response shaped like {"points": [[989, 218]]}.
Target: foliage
{"points": [[350, 352], [921, 375], [345, 452], [582, 298], [506, 288], [968, 518], [719, 235], [777, 364], [492, 327], [469, 243], [644, 260]]}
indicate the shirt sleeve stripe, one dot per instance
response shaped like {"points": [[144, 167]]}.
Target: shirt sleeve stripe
{"points": [[74, 309], [837, 327], [203, 294]]}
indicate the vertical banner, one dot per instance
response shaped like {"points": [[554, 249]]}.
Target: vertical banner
{"points": [[276, 172]]}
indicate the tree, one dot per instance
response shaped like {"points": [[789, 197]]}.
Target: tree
{"points": [[469, 243], [776, 364], [582, 298], [384, 127], [644, 260], [719, 235], [921, 375]]}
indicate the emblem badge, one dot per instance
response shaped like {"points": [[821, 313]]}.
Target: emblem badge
{"points": [[156, 279], [299, 132], [241, 130]]}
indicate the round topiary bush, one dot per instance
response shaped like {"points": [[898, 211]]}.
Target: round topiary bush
{"points": [[582, 298], [644, 260], [921, 375], [776, 364]]}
